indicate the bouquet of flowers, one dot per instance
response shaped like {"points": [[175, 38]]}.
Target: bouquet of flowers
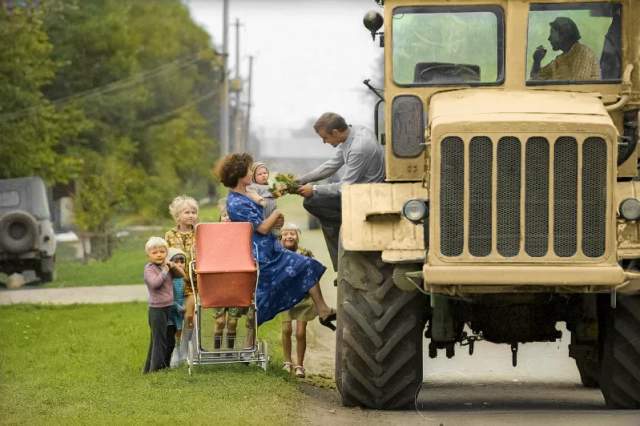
{"points": [[284, 183]]}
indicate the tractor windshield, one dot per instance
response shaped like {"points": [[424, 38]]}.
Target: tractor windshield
{"points": [[448, 45], [574, 43]]}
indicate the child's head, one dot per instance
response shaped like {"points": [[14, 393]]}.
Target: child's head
{"points": [[290, 236], [156, 249], [177, 256], [260, 173], [184, 210]]}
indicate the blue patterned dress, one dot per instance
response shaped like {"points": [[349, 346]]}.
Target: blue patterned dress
{"points": [[285, 276]]}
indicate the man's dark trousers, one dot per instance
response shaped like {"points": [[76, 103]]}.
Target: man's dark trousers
{"points": [[328, 210]]}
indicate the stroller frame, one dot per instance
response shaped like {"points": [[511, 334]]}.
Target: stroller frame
{"points": [[257, 353]]}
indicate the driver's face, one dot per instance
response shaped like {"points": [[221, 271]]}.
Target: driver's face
{"points": [[555, 39]]}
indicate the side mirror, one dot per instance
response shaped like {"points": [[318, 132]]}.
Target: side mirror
{"points": [[373, 22]]}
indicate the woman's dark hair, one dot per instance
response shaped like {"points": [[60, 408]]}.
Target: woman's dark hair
{"points": [[232, 168]]}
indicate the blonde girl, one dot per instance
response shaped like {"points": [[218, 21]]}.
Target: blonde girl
{"points": [[184, 210]]}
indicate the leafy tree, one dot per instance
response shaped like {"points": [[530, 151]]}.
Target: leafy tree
{"points": [[145, 77], [32, 128]]}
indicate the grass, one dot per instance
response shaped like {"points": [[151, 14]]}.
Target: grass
{"points": [[82, 364], [125, 266]]}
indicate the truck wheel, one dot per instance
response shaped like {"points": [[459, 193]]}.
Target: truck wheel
{"points": [[589, 372], [620, 373], [46, 269], [379, 340]]}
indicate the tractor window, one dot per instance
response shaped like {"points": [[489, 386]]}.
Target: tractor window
{"points": [[448, 45], [574, 43]]}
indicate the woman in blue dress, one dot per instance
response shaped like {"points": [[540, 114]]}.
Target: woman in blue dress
{"points": [[285, 277]]}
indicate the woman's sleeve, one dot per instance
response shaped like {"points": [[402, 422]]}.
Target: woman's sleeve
{"points": [[244, 211]]}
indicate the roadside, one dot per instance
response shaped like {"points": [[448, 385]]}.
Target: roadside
{"points": [[75, 295]]}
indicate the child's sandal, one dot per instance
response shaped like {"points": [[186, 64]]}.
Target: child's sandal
{"points": [[299, 371], [286, 366]]}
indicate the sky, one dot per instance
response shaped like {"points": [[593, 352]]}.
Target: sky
{"points": [[310, 57]]}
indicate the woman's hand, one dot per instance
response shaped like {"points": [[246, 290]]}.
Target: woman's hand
{"points": [[279, 222], [271, 222]]}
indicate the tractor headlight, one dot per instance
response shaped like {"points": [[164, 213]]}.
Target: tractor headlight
{"points": [[630, 209], [415, 210]]}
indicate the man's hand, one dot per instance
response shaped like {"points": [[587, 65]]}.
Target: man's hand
{"points": [[306, 190], [539, 54]]}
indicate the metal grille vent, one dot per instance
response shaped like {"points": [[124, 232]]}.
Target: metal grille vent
{"points": [[480, 164], [594, 196], [452, 196], [565, 194], [508, 196], [537, 197]]}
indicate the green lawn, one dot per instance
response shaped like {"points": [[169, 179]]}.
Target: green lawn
{"points": [[124, 267], [82, 364], [127, 262]]}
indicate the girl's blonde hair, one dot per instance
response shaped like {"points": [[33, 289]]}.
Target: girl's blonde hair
{"points": [[155, 242], [180, 203]]}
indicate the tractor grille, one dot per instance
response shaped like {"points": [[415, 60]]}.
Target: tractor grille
{"points": [[534, 198]]}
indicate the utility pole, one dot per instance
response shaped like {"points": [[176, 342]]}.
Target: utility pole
{"points": [[224, 107], [248, 122], [237, 88]]}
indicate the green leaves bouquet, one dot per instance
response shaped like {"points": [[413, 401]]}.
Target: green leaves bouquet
{"points": [[283, 183]]}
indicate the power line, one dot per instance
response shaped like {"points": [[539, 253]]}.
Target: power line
{"points": [[164, 115], [123, 83]]}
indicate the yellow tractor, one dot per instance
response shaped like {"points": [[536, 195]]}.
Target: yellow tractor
{"points": [[511, 201]]}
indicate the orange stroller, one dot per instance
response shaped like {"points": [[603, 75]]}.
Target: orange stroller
{"points": [[227, 276]]}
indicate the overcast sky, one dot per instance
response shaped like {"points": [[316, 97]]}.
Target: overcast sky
{"points": [[310, 56]]}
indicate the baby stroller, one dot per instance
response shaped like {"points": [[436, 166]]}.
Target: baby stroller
{"points": [[227, 276]]}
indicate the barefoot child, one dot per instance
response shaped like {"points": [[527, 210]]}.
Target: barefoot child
{"points": [[301, 313], [184, 211], [158, 279]]}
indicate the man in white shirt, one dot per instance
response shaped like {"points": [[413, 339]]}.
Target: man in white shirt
{"points": [[361, 155]]}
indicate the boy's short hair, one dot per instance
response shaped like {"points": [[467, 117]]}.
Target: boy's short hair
{"points": [[180, 203], [155, 242]]}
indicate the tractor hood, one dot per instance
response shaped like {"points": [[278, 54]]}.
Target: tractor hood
{"points": [[472, 110], [486, 102]]}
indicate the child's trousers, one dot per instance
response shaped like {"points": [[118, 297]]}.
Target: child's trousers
{"points": [[162, 339]]}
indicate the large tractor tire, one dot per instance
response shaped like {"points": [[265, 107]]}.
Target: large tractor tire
{"points": [[379, 336], [588, 365], [620, 373], [589, 373]]}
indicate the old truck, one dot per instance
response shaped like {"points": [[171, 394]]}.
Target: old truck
{"points": [[511, 201]]}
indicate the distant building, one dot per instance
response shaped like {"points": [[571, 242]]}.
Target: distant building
{"points": [[292, 151]]}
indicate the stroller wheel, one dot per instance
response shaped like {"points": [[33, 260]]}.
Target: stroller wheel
{"points": [[190, 355]]}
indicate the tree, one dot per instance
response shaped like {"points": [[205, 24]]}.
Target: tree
{"points": [[32, 127]]}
